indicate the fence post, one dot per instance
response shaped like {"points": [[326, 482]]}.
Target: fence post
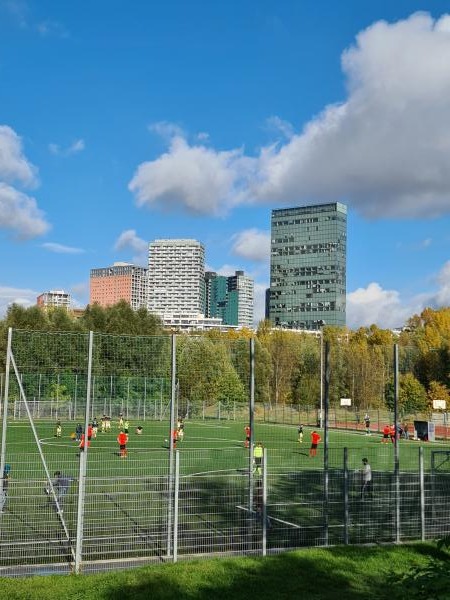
{"points": [[346, 505], [83, 465], [5, 411], [422, 495], [171, 440], [396, 449], [251, 410], [325, 447], [175, 507], [264, 503]]}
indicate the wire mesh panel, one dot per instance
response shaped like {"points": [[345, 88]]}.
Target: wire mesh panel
{"points": [[214, 515], [187, 478]]}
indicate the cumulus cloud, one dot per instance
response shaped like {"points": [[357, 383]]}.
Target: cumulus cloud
{"points": [[384, 150], [74, 148], [61, 249], [387, 309], [252, 244], [196, 178], [128, 239], [11, 295], [13, 164], [19, 213]]}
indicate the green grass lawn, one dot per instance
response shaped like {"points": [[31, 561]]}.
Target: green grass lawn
{"points": [[127, 500], [314, 574]]}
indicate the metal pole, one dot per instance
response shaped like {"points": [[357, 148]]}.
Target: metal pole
{"points": [[83, 463], [171, 448], [264, 504], [325, 445], [175, 507], [5, 410], [396, 448], [251, 410], [346, 504], [422, 495], [321, 380]]}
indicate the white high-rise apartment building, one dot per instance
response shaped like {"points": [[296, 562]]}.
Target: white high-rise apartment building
{"points": [[176, 277]]}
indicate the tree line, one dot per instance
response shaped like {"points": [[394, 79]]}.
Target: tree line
{"points": [[215, 366]]}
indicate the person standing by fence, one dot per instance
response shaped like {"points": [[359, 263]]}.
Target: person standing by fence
{"points": [[258, 454], [366, 487]]}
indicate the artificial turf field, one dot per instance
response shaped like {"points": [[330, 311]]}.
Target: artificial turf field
{"points": [[129, 503]]}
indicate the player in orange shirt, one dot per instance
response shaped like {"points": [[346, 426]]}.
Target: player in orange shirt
{"points": [[315, 439], [247, 436], [122, 440], [386, 434]]}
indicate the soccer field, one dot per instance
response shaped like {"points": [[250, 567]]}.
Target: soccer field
{"points": [[133, 508]]}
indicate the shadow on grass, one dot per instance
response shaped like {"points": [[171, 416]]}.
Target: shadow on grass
{"points": [[313, 575]]}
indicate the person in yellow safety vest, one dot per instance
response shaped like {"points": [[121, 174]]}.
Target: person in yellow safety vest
{"points": [[258, 453]]}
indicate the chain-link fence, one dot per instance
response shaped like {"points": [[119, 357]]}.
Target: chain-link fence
{"points": [[210, 464]]}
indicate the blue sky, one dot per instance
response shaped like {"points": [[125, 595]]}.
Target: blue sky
{"points": [[124, 122]]}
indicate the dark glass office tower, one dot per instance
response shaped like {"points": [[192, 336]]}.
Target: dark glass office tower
{"points": [[308, 266]]}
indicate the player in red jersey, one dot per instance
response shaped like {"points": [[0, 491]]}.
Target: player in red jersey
{"points": [[315, 439]]}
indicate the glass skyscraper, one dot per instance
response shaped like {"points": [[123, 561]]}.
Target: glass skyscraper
{"points": [[308, 266]]}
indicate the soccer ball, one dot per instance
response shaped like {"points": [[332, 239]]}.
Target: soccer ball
{"points": [[166, 441], [47, 491]]}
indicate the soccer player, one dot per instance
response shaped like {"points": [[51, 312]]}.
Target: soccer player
{"points": [[367, 423], [122, 440], [300, 433], [366, 471], [94, 427], [4, 495], [78, 432], [120, 423], [175, 437], [247, 432], [315, 439], [82, 442], [386, 434], [61, 485], [180, 429], [103, 423], [126, 427], [58, 429], [258, 454], [107, 423]]}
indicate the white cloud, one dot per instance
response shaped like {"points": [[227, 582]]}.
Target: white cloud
{"points": [[280, 126], [19, 213], [61, 249], [252, 244], [387, 309], [366, 306], [194, 178], [13, 164], [129, 239], [384, 150], [11, 295], [74, 148]]}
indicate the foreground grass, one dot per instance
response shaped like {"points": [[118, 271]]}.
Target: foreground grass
{"points": [[313, 574]]}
